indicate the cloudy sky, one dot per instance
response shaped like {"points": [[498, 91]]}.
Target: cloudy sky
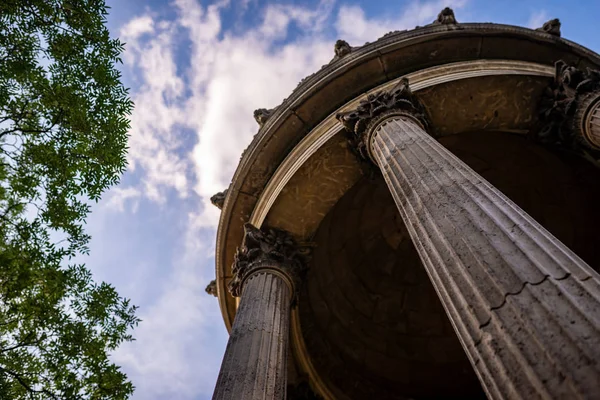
{"points": [[197, 70]]}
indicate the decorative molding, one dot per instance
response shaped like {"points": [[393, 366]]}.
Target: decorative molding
{"points": [[263, 114], [211, 288], [564, 106], [218, 199], [445, 17], [268, 249], [552, 27], [358, 122]]}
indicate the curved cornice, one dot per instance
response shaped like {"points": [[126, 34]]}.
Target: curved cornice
{"points": [[319, 95]]}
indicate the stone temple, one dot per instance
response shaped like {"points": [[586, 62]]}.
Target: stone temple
{"points": [[419, 219]]}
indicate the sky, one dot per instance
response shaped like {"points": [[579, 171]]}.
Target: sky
{"points": [[196, 71]]}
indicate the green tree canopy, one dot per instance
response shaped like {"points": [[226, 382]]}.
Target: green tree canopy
{"points": [[63, 141]]}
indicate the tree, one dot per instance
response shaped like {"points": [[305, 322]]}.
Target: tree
{"points": [[63, 141]]}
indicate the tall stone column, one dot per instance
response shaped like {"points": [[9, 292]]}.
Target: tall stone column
{"points": [[525, 308], [267, 270]]}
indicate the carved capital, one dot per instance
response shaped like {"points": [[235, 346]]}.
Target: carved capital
{"points": [[211, 288], [565, 106], [218, 199], [378, 106], [262, 115], [269, 249], [552, 27], [445, 17]]}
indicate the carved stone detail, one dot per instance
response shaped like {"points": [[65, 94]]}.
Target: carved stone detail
{"points": [[552, 27], [273, 249], [211, 288], [399, 99], [445, 17], [262, 115], [523, 305], [218, 199], [342, 48], [563, 100]]}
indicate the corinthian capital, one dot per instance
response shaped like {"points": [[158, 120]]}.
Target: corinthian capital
{"points": [[269, 249], [566, 106], [398, 100]]}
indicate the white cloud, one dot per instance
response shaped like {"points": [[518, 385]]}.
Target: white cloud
{"points": [[537, 19], [354, 27], [157, 117]]}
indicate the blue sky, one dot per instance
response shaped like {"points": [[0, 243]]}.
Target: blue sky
{"points": [[196, 71]]}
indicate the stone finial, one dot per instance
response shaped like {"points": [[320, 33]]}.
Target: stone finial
{"points": [[218, 199], [399, 99], [445, 17], [211, 288], [267, 249], [342, 48], [552, 27], [564, 103], [262, 115]]}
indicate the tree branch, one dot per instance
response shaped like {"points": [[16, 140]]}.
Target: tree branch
{"points": [[26, 385]]}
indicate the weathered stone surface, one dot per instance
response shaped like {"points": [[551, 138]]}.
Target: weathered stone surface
{"points": [[218, 200], [552, 27], [341, 49], [483, 253], [564, 107], [211, 288], [445, 17], [262, 115], [254, 364]]}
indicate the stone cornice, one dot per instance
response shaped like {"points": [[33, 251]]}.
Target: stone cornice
{"points": [[565, 104], [399, 100], [264, 250]]}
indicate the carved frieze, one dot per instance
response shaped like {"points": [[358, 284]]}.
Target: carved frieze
{"points": [[218, 199], [564, 103], [552, 27], [399, 100], [445, 17], [211, 288], [267, 249]]}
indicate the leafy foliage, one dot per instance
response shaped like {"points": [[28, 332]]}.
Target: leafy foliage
{"points": [[63, 141]]}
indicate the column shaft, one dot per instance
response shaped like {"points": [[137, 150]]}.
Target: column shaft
{"points": [[525, 307], [255, 361]]}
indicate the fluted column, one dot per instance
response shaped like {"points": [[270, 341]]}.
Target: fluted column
{"points": [[267, 270], [525, 308]]}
